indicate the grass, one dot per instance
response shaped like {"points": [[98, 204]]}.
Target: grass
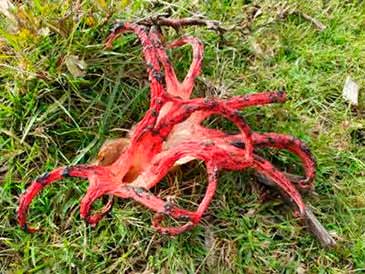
{"points": [[49, 118]]}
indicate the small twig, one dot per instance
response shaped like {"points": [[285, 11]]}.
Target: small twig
{"points": [[189, 21], [314, 21], [318, 229], [214, 25], [288, 10]]}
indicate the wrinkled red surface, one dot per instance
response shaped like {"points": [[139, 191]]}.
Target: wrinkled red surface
{"points": [[171, 133]]}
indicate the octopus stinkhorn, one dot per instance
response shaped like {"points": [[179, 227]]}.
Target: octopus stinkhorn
{"points": [[171, 133]]}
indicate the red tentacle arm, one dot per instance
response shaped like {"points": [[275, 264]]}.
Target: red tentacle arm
{"points": [[277, 141], [256, 99], [293, 145], [100, 185], [44, 180], [149, 52], [235, 103], [186, 87], [173, 86], [94, 219]]}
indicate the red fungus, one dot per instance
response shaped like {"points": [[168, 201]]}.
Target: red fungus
{"points": [[171, 133]]}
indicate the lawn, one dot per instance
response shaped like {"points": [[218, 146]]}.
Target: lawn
{"points": [[62, 94]]}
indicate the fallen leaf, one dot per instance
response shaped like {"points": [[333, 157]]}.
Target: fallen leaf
{"points": [[75, 66], [110, 151], [314, 21], [351, 91], [5, 8]]}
